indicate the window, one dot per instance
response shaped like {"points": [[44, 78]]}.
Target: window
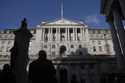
{"points": [[46, 30], [45, 46], [105, 35], [62, 37], [46, 38], [100, 48], [1, 49], [72, 46], [7, 49], [46, 35], [5, 56], [9, 42], [94, 49], [71, 38], [93, 41], [11, 36], [54, 37], [78, 30], [70, 30], [3, 42], [0, 35], [80, 46], [6, 35], [78, 38], [99, 42], [107, 47], [62, 30], [53, 46], [54, 30], [53, 53]]}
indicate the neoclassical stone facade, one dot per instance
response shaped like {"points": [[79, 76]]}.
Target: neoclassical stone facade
{"points": [[52, 35]]}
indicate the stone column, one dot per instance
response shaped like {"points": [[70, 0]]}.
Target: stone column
{"points": [[107, 46], [85, 34], [81, 34], [73, 34], [49, 34], [76, 34], [55, 34], [43, 34], [59, 34], [68, 34]]}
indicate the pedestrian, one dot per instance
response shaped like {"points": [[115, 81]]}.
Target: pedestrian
{"points": [[42, 70]]}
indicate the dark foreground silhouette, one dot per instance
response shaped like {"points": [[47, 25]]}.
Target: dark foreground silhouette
{"points": [[6, 75], [42, 70]]}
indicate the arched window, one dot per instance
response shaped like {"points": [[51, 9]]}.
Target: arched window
{"points": [[62, 49], [72, 46], [80, 46]]}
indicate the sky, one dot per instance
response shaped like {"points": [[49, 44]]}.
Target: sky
{"points": [[36, 11]]}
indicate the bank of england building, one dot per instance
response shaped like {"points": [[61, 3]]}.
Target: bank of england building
{"points": [[86, 49]]}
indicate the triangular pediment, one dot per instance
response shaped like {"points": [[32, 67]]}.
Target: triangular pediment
{"points": [[63, 22]]}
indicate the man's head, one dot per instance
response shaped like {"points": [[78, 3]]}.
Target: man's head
{"points": [[42, 54]]}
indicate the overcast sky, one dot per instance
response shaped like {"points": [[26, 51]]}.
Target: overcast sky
{"points": [[36, 11]]}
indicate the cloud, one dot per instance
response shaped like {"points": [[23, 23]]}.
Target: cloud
{"points": [[92, 19]]}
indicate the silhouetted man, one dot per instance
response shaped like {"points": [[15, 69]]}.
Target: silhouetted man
{"points": [[42, 70]]}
